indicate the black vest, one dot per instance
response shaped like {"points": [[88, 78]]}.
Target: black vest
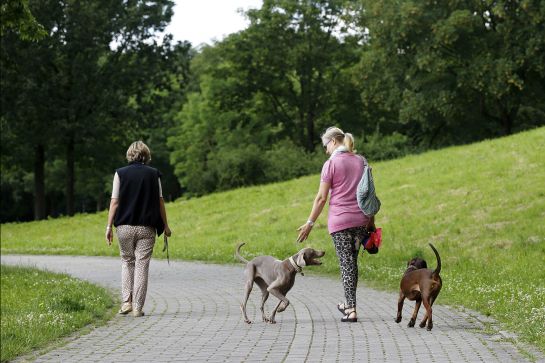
{"points": [[139, 197]]}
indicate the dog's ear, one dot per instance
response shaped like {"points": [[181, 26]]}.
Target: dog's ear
{"points": [[301, 259]]}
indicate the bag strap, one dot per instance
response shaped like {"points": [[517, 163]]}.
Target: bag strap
{"points": [[364, 161]]}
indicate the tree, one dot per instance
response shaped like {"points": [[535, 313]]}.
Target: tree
{"points": [[25, 104], [301, 50], [95, 81], [285, 77], [17, 17], [453, 71]]}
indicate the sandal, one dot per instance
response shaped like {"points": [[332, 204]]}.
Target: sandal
{"points": [[348, 319], [342, 308]]}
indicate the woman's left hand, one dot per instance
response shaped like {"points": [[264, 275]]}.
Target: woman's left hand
{"points": [[109, 236], [304, 231]]}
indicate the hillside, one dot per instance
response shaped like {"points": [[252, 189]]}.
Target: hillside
{"points": [[481, 205]]}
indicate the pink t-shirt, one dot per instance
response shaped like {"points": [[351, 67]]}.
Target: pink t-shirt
{"points": [[343, 172]]}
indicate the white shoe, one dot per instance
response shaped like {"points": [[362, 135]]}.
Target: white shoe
{"points": [[125, 308]]}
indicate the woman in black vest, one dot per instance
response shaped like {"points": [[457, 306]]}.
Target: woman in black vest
{"points": [[137, 210]]}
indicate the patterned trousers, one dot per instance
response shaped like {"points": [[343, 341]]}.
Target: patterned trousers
{"points": [[347, 245], [135, 247]]}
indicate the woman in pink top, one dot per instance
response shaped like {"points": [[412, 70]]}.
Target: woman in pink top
{"points": [[346, 222]]}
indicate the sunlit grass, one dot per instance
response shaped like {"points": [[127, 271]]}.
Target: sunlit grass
{"points": [[38, 307], [481, 205]]}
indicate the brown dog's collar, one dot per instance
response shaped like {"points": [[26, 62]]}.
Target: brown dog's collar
{"points": [[296, 266]]}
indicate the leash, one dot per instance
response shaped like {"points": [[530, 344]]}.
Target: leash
{"points": [[165, 247]]}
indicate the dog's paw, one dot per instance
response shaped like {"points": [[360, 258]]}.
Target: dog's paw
{"points": [[422, 324], [411, 323], [398, 319], [271, 321], [248, 321], [430, 327]]}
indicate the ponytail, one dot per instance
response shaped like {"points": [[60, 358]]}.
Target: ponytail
{"points": [[349, 142]]}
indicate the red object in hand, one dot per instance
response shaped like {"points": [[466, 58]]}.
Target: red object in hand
{"points": [[375, 239]]}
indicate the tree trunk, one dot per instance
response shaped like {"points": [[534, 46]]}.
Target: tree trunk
{"points": [[310, 131], [306, 111], [100, 202], [70, 176], [39, 182], [507, 121]]}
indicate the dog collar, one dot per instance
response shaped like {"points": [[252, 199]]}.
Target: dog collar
{"points": [[296, 266]]}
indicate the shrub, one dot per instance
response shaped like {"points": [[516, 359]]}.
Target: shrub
{"points": [[236, 167], [385, 147], [286, 161]]}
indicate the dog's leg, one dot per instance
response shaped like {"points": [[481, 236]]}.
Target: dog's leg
{"points": [[273, 289], [264, 296], [276, 293], [428, 316], [247, 290], [271, 319], [415, 312], [284, 302], [423, 322], [399, 306]]}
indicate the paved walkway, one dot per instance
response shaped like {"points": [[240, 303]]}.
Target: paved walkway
{"points": [[192, 314]]}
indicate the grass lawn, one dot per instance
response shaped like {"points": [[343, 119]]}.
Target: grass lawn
{"points": [[481, 205], [38, 307]]}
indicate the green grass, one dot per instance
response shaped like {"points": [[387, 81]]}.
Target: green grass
{"points": [[481, 205], [39, 307]]}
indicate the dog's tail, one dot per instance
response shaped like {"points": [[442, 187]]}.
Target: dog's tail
{"points": [[237, 253], [438, 268]]}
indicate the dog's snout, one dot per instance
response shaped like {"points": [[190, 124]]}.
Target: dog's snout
{"points": [[313, 256]]}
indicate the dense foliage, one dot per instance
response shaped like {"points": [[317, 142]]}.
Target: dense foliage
{"points": [[402, 76], [77, 97]]}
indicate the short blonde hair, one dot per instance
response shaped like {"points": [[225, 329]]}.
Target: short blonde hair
{"points": [[341, 137], [139, 152]]}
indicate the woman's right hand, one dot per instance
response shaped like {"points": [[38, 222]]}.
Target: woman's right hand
{"points": [[168, 232], [304, 231]]}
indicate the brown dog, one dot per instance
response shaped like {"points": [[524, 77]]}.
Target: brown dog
{"points": [[275, 277], [421, 284]]}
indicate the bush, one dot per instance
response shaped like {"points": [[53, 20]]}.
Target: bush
{"points": [[236, 167], [230, 167], [384, 147], [285, 161]]}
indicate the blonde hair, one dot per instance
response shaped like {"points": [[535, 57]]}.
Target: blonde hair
{"points": [[139, 152], [341, 137]]}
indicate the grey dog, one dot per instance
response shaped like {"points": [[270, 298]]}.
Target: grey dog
{"points": [[275, 277]]}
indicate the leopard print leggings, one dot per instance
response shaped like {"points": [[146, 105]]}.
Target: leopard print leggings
{"points": [[135, 247], [347, 245]]}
